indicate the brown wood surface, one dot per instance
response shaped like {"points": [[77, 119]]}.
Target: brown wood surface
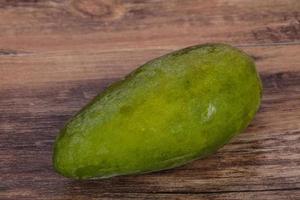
{"points": [[56, 55]]}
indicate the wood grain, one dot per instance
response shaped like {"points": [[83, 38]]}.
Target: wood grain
{"points": [[56, 55]]}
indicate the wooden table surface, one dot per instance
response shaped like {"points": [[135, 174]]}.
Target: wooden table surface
{"points": [[56, 55]]}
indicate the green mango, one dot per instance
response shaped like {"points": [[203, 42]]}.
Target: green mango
{"points": [[172, 110]]}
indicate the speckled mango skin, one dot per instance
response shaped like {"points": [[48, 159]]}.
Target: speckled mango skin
{"points": [[172, 110]]}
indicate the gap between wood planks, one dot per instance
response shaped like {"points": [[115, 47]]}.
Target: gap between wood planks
{"points": [[217, 192], [12, 52]]}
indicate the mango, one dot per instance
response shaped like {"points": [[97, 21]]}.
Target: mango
{"points": [[170, 111]]}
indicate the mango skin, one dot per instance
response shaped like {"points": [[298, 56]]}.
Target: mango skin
{"points": [[172, 110]]}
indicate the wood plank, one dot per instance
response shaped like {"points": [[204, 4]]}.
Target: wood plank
{"points": [[53, 25], [50, 67], [246, 195]]}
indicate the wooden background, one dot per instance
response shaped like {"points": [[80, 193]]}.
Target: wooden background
{"points": [[56, 55]]}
